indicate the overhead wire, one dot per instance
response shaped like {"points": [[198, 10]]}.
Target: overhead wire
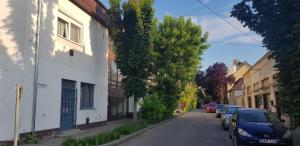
{"points": [[226, 21]]}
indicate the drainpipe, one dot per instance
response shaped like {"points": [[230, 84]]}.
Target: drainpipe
{"points": [[36, 66]]}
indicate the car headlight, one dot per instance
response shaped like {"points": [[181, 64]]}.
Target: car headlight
{"points": [[243, 133], [287, 134]]}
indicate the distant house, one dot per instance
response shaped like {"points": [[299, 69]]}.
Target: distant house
{"points": [[261, 86], [119, 106], [68, 75], [235, 89]]}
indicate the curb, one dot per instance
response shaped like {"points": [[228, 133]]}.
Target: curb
{"points": [[133, 135]]}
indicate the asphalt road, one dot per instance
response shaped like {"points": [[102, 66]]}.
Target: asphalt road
{"points": [[192, 129]]}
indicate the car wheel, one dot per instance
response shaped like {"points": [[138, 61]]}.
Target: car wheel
{"points": [[236, 142]]}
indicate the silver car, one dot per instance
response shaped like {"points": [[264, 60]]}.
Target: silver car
{"points": [[229, 110], [220, 109]]}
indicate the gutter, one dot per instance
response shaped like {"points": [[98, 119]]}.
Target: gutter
{"points": [[36, 65]]}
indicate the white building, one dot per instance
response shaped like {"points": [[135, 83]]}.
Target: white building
{"points": [[235, 89], [71, 64]]}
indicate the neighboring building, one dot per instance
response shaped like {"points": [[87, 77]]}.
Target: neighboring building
{"points": [[118, 103], [235, 89], [236, 92], [261, 87], [72, 85]]}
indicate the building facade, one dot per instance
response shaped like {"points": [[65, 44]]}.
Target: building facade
{"points": [[260, 85], [62, 63], [235, 89]]}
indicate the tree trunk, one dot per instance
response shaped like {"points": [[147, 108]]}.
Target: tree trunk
{"points": [[135, 118]]}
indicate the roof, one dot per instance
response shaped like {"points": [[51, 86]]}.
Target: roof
{"points": [[261, 59], [238, 85], [95, 9]]}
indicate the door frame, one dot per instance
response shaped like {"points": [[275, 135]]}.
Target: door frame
{"points": [[75, 102]]}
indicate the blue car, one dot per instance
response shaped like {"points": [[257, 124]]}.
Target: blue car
{"points": [[251, 127]]}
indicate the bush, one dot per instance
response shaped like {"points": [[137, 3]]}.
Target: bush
{"points": [[32, 138], [107, 137], [153, 109]]}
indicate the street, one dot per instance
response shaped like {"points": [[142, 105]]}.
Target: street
{"points": [[192, 129]]}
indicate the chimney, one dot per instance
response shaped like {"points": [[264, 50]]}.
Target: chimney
{"points": [[235, 62]]}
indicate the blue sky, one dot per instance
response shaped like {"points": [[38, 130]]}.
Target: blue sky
{"points": [[227, 43]]}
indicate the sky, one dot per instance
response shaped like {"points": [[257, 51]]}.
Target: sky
{"points": [[226, 42]]}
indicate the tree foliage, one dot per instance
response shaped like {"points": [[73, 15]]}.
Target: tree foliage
{"points": [[278, 22], [132, 42], [178, 45], [214, 81], [188, 97]]}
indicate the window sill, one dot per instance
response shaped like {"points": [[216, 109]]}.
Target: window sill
{"points": [[78, 44], [92, 108]]}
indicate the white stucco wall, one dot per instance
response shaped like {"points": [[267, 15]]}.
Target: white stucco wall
{"points": [[16, 63], [89, 64]]}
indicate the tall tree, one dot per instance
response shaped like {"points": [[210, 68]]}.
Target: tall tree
{"points": [[278, 22], [131, 33], [179, 43], [214, 81]]}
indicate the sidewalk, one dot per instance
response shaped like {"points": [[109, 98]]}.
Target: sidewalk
{"points": [[77, 134]]}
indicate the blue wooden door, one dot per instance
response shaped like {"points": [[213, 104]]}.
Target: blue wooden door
{"points": [[68, 105]]}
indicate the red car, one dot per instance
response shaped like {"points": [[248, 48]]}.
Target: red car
{"points": [[211, 107]]}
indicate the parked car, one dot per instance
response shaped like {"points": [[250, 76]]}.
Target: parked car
{"points": [[229, 110], [211, 107], [220, 109], [258, 127]]}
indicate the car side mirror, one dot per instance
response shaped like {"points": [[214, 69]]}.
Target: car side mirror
{"points": [[282, 120]]}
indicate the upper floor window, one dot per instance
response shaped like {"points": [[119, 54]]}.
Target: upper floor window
{"points": [[265, 82], [69, 28], [62, 28], [75, 33]]}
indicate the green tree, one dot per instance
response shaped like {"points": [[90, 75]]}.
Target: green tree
{"points": [[277, 21], [178, 46], [188, 97], [131, 30]]}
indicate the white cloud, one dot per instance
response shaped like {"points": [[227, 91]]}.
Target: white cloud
{"points": [[219, 30], [205, 1]]}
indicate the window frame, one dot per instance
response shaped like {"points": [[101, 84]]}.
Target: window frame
{"points": [[90, 98], [70, 21]]}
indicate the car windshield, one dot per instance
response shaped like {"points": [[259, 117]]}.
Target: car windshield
{"points": [[231, 110], [220, 106], [258, 116]]}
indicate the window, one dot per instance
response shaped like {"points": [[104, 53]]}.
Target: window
{"points": [[69, 29], [87, 96], [62, 28], [265, 82], [75, 33]]}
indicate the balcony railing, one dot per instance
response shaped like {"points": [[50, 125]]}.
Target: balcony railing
{"points": [[114, 84]]}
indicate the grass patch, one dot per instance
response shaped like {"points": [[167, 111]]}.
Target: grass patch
{"points": [[106, 137]]}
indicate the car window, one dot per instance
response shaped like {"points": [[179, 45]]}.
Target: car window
{"points": [[231, 110], [258, 116], [220, 106]]}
